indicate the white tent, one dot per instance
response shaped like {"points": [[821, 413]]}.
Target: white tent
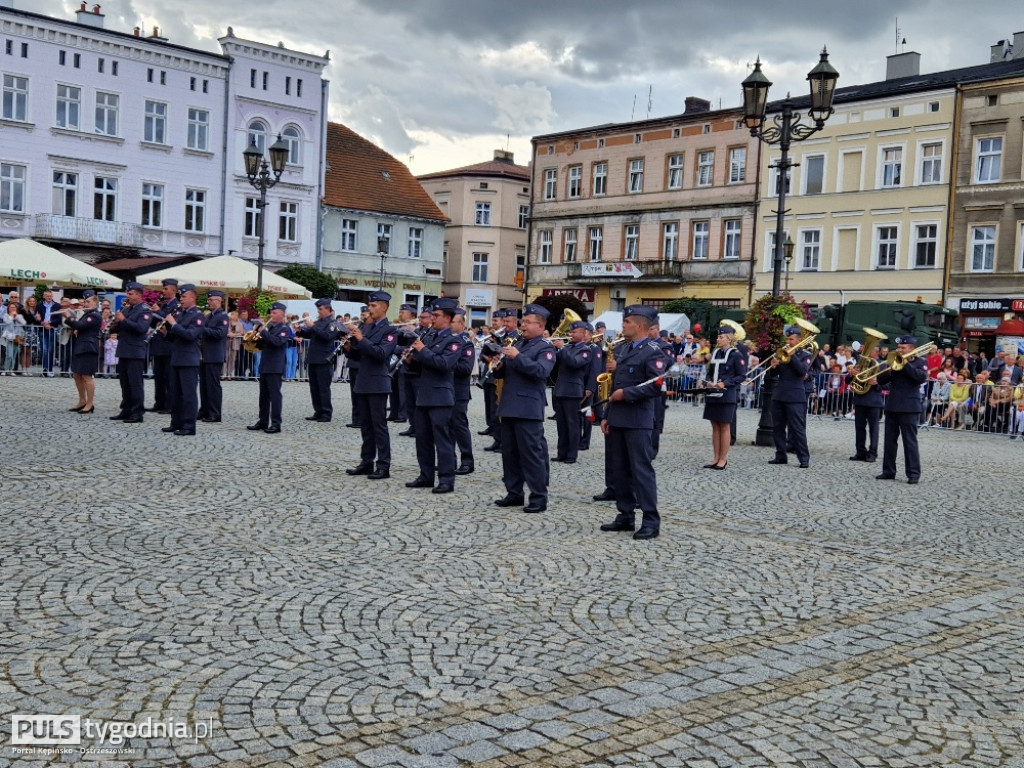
{"points": [[674, 323], [611, 319], [226, 273], [26, 261]]}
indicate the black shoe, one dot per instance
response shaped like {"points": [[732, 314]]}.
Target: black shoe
{"points": [[493, 448], [871, 459], [182, 432], [533, 507], [212, 421], [646, 533], [323, 420], [132, 421], [778, 461], [420, 482], [398, 421], [558, 459], [485, 432], [77, 409], [464, 469], [510, 500], [710, 466], [443, 488], [606, 495], [732, 441], [885, 477], [569, 461], [154, 409], [254, 427], [859, 457], [352, 426], [619, 525], [913, 480], [312, 418], [804, 465], [119, 417], [362, 469], [380, 474], [165, 412], [272, 430], [168, 429], [407, 433]]}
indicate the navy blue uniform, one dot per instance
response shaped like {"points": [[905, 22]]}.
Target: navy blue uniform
{"points": [[491, 390], [524, 449], [274, 343], [461, 436], [184, 338], [867, 412], [730, 367], [323, 336], [902, 409], [586, 422], [372, 389], [410, 371], [353, 377], [160, 351], [631, 426], [435, 398], [574, 364], [789, 408], [87, 342], [662, 402], [131, 358], [214, 339]]}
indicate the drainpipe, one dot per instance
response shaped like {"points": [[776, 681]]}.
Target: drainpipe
{"points": [[318, 256], [224, 158]]}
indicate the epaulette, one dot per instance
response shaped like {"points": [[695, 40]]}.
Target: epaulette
{"points": [[653, 344]]}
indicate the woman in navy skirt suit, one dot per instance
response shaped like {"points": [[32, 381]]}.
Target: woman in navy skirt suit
{"points": [[726, 371]]}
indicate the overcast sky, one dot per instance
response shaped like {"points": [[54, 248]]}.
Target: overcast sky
{"points": [[443, 83]]}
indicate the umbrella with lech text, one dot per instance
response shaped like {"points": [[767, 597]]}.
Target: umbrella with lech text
{"points": [[26, 261]]}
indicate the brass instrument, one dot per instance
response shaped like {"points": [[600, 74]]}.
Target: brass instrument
{"points": [[897, 361], [869, 367], [604, 386], [568, 318], [809, 331], [739, 332], [251, 339], [159, 327]]}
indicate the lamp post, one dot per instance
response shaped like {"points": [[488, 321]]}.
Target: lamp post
{"points": [[382, 250], [788, 247], [263, 177]]}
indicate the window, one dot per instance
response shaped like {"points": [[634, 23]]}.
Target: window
{"points": [[69, 107], [104, 199], [769, 260], [888, 238], [266, 80], [62, 58], [990, 155], [349, 230], [700, 239], [992, 101], [733, 229], [483, 214], [288, 222], [926, 239], [892, 166], [24, 50], [983, 248], [100, 64], [191, 83], [773, 179], [636, 176], [480, 267], [810, 250], [12, 188], [252, 78], [931, 163], [894, 111], [287, 86], [195, 210], [705, 168], [675, 171], [737, 165], [15, 98], [290, 136], [631, 242], [546, 239], [600, 179], [524, 216], [298, 87], [575, 181], [106, 113], [483, 185], [550, 183], [252, 217], [113, 71], [198, 129], [206, 83], [152, 204], [596, 236], [814, 174], [415, 242], [258, 135], [154, 129], [670, 241], [65, 193], [569, 235], [149, 75]]}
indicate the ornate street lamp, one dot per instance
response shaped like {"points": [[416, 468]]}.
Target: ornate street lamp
{"points": [[788, 247], [263, 177], [383, 244]]}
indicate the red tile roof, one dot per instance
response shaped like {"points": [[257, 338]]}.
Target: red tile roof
{"points": [[363, 177], [499, 168]]}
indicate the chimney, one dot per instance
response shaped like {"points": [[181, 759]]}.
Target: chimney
{"points": [[695, 105], [503, 156], [902, 65], [138, 31], [89, 18], [1018, 46], [156, 34]]}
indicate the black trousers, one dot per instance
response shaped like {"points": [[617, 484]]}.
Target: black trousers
{"points": [[897, 426], [434, 446], [270, 399], [133, 393], [567, 422], [865, 428], [461, 435], [586, 425], [524, 458], [789, 424], [410, 382], [161, 379], [493, 422], [397, 400], [185, 383], [632, 456], [357, 407], [211, 394], [320, 389], [660, 404], [373, 428]]}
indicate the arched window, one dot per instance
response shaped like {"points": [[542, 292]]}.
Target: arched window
{"points": [[258, 135], [293, 140]]}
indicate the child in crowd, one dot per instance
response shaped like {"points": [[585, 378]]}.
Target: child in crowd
{"points": [[110, 355]]}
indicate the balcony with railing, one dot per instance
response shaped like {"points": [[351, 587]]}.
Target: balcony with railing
{"points": [[73, 229], [598, 272]]}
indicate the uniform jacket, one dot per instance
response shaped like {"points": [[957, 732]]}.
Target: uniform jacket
{"points": [[436, 364], [634, 366], [596, 367], [131, 332], [464, 368], [215, 337], [322, 335], [274, 338], [574, 364], [524, 395], [374, 352], [159, 346], [905, 386], [790, 387], [184, 338], [870, 399], [87, 332], [732, 370]]}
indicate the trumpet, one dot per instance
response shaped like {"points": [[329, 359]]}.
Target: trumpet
{"points": [[897, 361], [784, 354]]}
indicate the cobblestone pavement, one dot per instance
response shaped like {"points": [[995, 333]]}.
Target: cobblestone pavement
{"points": [[785, 617]]}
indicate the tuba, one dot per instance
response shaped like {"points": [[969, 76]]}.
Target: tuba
{"points": [[739, 332], [869, 367], [808, 331], [568, 318]]}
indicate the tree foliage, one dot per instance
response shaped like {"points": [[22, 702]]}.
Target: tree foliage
{"points": [[769, 315], [556, 305], [320, 284], [698, 310]]}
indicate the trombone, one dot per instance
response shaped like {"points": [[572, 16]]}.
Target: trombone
{"points": [[897, 361]]}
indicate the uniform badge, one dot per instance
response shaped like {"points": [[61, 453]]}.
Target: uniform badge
{"points": [[586, 355], [549, 356], [199, 322], [391, 338], [469, 353], [659, 364], [225, 322], [455, 347], [282, 333]]}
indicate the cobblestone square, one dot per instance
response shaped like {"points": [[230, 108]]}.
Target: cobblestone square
{"points": [[785, 617]]}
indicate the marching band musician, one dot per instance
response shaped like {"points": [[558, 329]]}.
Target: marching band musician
{"points": [[435, 355], [487, 383], [372, 345], [655, 334], [789, 401], [399, 414], [744, 352], [589, 388], [353, 375], [509, 335], [323, 334], [569, 394], [526, 367], [867, 412], [133, 322], [184, 329], [86, 358], [902, 412], [273, 342], [412, 373], [629, 423], [461, 435], [728, 370], [160, 348], [214, 339]]}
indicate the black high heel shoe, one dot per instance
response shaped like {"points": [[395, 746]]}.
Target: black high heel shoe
{"points": [[88, 410], [715, 466], [77, 409]]}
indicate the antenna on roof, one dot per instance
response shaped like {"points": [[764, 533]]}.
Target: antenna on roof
{"points": [[898, 36], [633, 113], [508, 138], [650, 99]]}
